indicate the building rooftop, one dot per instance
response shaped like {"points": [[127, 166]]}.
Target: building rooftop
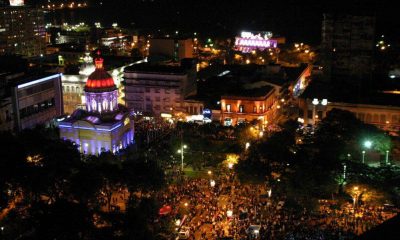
{"points": [[107, 119], [251, 94], [157, 69], [30, 77], [347, 94]]}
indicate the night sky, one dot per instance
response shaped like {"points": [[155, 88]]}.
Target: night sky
{"points": [[297, 20]]}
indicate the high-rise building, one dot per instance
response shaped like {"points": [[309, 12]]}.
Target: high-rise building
{"points": [[177, 49], [22, 30], [347, 46]]}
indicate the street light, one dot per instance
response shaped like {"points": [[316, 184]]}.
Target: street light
{"points": [[247, 145], [355, 189], [181, 152], [368, 144], [363, 156], [315, 102], [209, 172], [387, 157]]}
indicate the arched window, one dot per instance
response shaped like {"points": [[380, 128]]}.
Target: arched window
{"points": [[105, 104], [94, 105]]}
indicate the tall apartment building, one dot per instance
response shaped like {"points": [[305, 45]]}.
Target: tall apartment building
{"points": [[177, 49], [28, 100], [157, 88], [22, 30], [347, 46]]}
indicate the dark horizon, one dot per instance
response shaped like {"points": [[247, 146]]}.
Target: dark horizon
{"points": [[297, 21]]}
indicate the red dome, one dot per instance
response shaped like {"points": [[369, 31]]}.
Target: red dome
{"points": [[100, 79]]}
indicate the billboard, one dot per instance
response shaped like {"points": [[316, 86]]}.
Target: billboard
{"points": [[249, 41]]}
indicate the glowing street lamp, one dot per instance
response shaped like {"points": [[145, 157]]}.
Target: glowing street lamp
{"points": [[181, 152], [363, 156], [368, 144], [387, 157], [355, 189], [247, 145], [316, 102], [209, 172]]}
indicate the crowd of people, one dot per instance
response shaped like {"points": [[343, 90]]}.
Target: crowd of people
{"points": [[239, 211]]}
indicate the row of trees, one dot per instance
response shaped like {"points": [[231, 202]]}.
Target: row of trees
{"points": [[305, 165], [49, 191]]}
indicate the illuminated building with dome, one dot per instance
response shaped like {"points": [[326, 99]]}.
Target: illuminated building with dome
{"points": [[104, 125]]}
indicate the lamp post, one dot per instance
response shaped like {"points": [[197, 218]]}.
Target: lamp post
{"points": [[181, 152], [363, 156], [344, 173], [387, 157], [367, 145], [315, 102], [355, 198]]}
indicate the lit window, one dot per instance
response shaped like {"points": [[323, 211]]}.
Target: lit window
{"points": [[241, 108], [228, 107]]}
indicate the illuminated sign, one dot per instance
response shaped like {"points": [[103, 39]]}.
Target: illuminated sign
{"points": [[263, 35], [16, 2], [207, 113], [248, 41], [166, 115]]}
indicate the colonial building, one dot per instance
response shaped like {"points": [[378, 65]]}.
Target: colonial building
{"points": [[73, 85], [385, 117], [105, 125], [249, 105], [381, 109]]}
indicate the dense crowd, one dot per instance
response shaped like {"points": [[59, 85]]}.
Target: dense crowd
{"points": [[258, 215]]}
